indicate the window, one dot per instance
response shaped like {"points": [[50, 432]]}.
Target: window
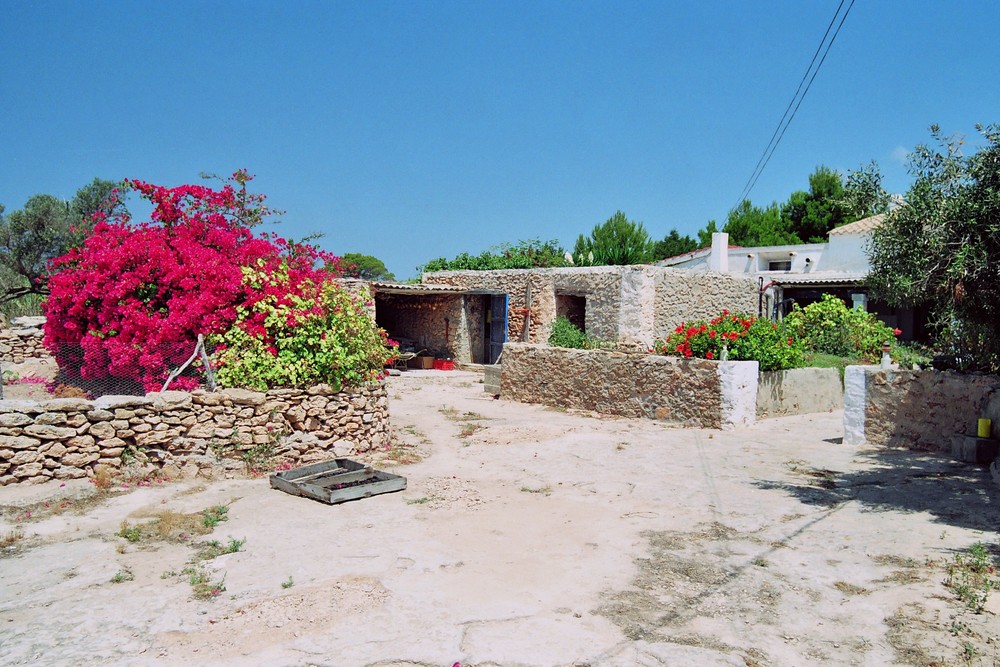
{"points": [[782, 265]]}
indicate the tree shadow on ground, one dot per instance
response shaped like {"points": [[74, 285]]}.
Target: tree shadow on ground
{"points": [[954, 493]]}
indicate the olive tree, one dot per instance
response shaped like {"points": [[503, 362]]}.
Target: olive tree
{"points": [[942, 248]]}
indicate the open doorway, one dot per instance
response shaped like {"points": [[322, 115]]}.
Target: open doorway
{"points": [[495, 327], [574, 308]]}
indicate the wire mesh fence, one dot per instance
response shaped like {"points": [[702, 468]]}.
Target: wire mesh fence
{"points": [[97, 368]]}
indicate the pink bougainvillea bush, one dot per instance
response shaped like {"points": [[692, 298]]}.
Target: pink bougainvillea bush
{"points": [[131, 301]]}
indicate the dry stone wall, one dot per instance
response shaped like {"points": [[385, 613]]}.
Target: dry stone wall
{"points": [[623, 303], [23, 341], [682, 296], [920, 410], [692, 392], [199, 433]]}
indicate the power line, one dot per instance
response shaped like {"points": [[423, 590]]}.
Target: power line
{"points": [[779, 130]]}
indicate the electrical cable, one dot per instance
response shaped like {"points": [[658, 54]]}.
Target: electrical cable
{"points": [[779, 131]]}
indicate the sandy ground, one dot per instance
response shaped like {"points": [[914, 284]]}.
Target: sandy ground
{"points": [[527, 536], [26, 380]]}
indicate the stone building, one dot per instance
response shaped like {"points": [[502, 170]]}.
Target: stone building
{"points": [[468, 315]]}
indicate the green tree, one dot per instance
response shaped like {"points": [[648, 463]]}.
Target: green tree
{"points": [[618, 241], [863, 192], [356, 265], [525, 254], [810, 215], [942, 248], [29, 238], [705, 235], [752, 226], [95, 197], [47, 227], [673, 244]]}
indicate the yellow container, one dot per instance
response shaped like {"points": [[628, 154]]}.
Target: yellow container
{"points": [[984, 428]]}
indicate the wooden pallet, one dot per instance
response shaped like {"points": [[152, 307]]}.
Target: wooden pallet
{"points": [[336, 481]]}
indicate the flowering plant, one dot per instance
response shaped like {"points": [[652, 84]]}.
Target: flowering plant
{"points": [[300, 334], [133, 298], [744, 337], [829, 326]]}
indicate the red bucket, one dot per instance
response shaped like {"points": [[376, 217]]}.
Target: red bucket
{"points": [[444, 365]]}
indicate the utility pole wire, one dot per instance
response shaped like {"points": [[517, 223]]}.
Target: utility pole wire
{"points": [[779, 131]]}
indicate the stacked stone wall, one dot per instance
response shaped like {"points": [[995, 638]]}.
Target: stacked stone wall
{"points": [[623, 303], [682, 296], [692, 392], [921, 410], [23, 341], [197, 433], [514, 283]]}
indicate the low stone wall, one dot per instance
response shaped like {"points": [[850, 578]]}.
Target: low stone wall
{"points": [[799, 391], [914, 409], [694, 392], [23, 341], [197, 433]]}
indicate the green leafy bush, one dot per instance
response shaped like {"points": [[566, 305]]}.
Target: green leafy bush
{"points": [[830, 327], [910, 355], [744, 337], [321, 335], [526, 254], [564, 333]]}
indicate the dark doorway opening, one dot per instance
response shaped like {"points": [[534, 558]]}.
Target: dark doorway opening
{"points": [[495, 327], [574, 308]]}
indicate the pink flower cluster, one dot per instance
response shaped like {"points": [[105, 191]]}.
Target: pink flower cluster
{"points": [[134, 297]]}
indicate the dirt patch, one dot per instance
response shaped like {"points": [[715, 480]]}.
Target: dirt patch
{"points": [[255, 626]]}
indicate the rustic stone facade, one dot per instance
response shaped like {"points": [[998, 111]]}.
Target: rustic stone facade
{"points": [[920, 410], [23, 341], [692, 392], [620, 303], [432, 322], [199, 433]]}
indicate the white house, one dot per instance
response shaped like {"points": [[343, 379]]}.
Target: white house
{"points": [[803, 273]]}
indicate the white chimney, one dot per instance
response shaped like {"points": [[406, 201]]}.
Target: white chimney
{"points": [[719, 259]]}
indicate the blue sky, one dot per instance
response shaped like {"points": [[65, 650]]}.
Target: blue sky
{"points": [[411, 130]]}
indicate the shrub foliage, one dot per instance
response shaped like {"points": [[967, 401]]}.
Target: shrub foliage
{"points": [[293, 337], [131, 300], [564, 333], [943, 247], [830, 327], [744, 337]]}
